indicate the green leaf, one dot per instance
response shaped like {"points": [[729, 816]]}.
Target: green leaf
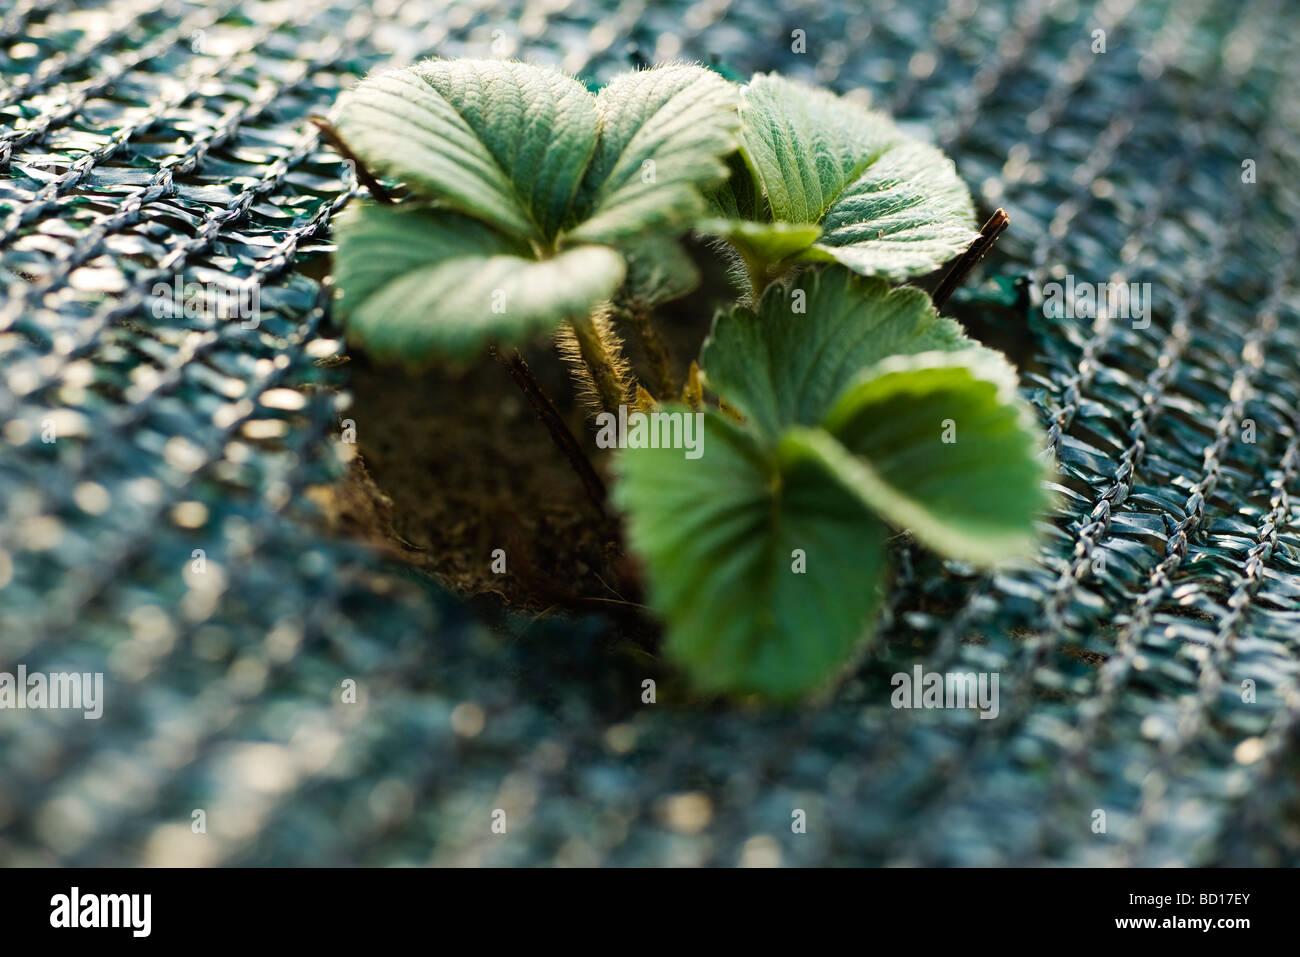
{"points": [[739, 195], [806, 145], [416, 281], [974, 497], [887, 205], [783, 367], [718, 535], [762, 242], [664, 134], [501, 141], [658, 271], [908, 214]]}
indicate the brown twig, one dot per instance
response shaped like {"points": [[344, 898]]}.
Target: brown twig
{"points": [[364, 175], [554, 422], [971, 257]]}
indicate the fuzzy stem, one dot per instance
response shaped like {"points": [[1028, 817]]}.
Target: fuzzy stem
{"points": [[757, 275], [604, 375], [546, 411]]}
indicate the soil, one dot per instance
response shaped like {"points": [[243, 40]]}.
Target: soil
{"points": [[453, 464]]}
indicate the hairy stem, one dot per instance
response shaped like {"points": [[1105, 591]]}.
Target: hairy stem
{"points": [[971, 257], [605, 375], [550, 416], [757, 269]]}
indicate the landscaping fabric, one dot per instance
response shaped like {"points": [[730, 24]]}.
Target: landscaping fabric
{"points": [[1148, 660]]}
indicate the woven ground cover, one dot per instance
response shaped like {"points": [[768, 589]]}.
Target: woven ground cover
{"points": [[1149, 657]]}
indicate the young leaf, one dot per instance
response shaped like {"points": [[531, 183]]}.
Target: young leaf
{"points": [[886, 205], [501, 141], [786, 364], [765, 570], [417, 281], [663, 137], [806, 145], [938, 443], [762, 242], [906, 215]]}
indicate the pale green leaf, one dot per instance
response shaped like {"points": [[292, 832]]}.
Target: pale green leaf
{"points": [[718, 535], [887, 205], [502, 141], [939, 444], [664, 136], [906, 215], [781, 366], [762, 242], [807, 145], [415, 282]]}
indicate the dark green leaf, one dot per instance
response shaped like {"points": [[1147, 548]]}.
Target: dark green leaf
{"points": [[658, 271], [939, 444], [719, 536], [783, 366]]}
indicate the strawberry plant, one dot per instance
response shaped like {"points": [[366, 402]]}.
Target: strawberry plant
{"points": [[833, 409]]}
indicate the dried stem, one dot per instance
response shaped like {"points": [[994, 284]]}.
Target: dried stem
{"points": [[554, 422], [364, 176], [656, 352], [693, 391], [971, 257]]}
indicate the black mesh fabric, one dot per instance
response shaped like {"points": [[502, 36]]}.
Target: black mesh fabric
{"points": [[1148, 659]]}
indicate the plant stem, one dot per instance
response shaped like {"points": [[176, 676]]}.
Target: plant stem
{"points": [[364, 176], [655, 349], [757, 275], [604, 375], [546, 411], [971, 257]]}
